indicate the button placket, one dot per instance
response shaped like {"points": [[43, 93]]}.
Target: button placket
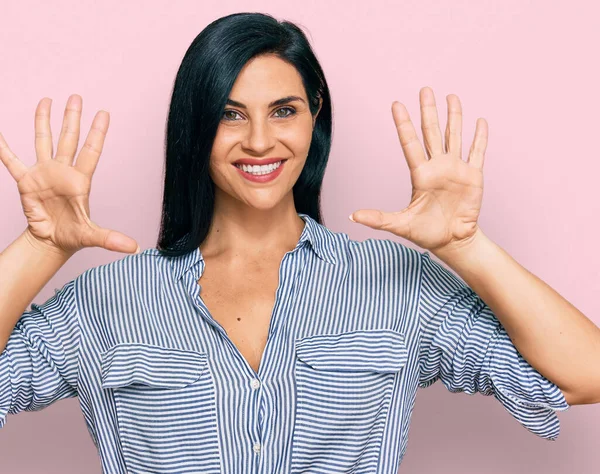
{"points": [[257, 447], [255, 384]]}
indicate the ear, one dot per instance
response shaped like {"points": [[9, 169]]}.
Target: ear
{"points": [[318, 110]]}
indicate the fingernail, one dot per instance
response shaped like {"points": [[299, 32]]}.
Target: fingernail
{"points": [[138, 250], [350, 217], [74, 100]]}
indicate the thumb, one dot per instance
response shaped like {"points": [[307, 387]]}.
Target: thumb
{"points": [[397, 223], [113, 240]]}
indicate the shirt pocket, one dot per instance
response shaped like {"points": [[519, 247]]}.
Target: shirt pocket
{"points": [[344, 385], [165, 407]]}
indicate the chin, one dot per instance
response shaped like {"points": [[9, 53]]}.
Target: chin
{"points": [[263, 205]]}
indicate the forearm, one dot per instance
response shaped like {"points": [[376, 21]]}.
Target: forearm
{"points": [[557, 339], [26, 266]]}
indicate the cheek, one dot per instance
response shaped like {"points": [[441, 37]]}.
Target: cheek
{"points": [[297, 138], [221, 148], [223, 141]]}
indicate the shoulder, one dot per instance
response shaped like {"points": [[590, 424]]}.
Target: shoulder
{"points": [[130, 271], [380, 260], [374, 250], [384, 251], [118, 294]]}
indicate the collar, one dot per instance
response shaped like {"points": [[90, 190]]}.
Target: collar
{"points": [[318, 237]]}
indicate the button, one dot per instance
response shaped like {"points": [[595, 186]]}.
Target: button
{"points": [[256, 448], [255, 383]]}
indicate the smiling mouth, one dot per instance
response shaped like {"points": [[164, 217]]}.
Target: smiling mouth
{"points": [[259, 170]]}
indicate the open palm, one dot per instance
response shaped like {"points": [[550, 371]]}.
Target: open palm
{"points": [[447, 191], [55, 190]]}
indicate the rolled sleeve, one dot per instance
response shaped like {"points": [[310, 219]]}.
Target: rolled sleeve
{"points": [[39, 363], [464, 345]]}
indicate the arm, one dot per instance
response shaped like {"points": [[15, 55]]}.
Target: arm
{"points": [[464, 345], [550, 333], [26, 266], [40, 349], [55, 199]]}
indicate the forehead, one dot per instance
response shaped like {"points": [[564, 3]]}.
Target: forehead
{"points": [[267, 78]]}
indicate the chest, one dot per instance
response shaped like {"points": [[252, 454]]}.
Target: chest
{"points": [[341, 365], [241, 300]]}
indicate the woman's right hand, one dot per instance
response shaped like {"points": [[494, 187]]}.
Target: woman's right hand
{"points": [[55, 192]]}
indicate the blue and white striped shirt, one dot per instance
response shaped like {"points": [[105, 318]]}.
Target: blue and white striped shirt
{"points": [[357, 328]]}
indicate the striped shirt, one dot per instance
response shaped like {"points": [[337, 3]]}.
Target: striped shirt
{"points": [[356, 329]]}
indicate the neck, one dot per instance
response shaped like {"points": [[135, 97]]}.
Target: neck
{"points": [[238, 230]]}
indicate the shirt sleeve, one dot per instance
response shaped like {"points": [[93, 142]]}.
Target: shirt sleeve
{"points": [[464, 345], [39, 363]]}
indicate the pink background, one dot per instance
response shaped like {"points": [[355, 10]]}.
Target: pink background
{"points": [[528, 67]]}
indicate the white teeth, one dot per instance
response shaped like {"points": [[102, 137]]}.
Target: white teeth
{"points": [[259, 170]]}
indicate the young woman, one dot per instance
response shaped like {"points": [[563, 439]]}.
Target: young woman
{"points": [[253, 338]]}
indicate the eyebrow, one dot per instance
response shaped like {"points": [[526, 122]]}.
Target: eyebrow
{"points": [[283, 100]]}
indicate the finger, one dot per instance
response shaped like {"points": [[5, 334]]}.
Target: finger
{"points": [[396, 222], [87, 160], [15, 167], [454, 126], [112, 240], [477, 151], [432, 135], [69, 135], [43, 136], [411, 147]]}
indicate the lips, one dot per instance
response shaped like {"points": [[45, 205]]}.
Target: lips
{"points": [[260, 178], [257, 162]]}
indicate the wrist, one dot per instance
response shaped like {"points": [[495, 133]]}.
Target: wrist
{"points": [[460, 251], [46, 248]]}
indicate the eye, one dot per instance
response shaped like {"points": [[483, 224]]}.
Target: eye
{"points": [[291, 110], [229, 117], [230, 114]]}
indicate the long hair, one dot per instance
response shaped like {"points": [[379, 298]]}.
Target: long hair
{"points": [[204, 80]]}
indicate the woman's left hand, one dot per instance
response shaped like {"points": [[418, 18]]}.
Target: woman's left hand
{"points": [[447, 191]]}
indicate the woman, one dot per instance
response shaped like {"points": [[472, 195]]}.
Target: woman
{"points": [[253, 338]]}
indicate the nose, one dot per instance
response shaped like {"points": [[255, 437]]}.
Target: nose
{"points": [[259, 138]]}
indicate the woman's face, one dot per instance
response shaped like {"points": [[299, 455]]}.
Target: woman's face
{"points": [[275, 137]]}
